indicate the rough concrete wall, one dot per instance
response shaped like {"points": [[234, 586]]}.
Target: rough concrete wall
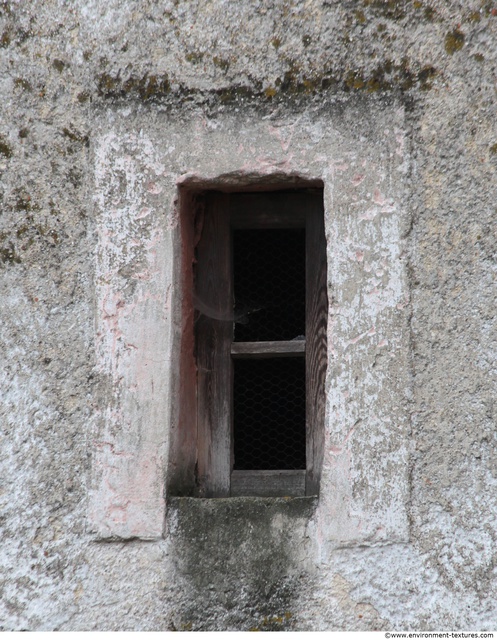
{"points": [[63, 63]]}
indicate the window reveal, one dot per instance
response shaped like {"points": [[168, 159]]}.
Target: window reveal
{"points": [[260, 292]]}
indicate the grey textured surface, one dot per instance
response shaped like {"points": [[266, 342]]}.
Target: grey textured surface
{"points": [[66, 68]]}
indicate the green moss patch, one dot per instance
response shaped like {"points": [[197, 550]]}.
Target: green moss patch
{"points": [[454, 41], [147, 88], [5, 148], [76, 136], [8, 254], [222, 63], [59, 65], [22, 83], [5, 39], [195, 57]]}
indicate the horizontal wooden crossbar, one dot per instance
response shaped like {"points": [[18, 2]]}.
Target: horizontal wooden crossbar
{"points": [[269, 349]]}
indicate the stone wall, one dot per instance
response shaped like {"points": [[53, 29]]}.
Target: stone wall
{"points": [[107, 110]]}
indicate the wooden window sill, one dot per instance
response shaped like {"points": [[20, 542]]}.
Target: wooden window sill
{"points": [[277, 483]]}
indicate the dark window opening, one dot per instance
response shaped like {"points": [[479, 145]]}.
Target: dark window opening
{"points": [[269, 414], [269, 394], [269, 284]]}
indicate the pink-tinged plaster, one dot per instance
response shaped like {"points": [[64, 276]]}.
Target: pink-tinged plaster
{"points": [[364, 489], [132, 328]]}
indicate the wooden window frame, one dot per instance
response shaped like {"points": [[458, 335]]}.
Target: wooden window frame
{"points": [[206, 449], [215, 348]]}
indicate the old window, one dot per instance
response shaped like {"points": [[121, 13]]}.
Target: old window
{"points": [[260, 300]]}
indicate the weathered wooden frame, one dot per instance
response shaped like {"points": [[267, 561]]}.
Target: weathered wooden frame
{"points": [[215, 217]]}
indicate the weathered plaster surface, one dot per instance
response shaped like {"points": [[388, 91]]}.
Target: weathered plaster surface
{"points": [[365, 489], [132, 327], [106, 108]]}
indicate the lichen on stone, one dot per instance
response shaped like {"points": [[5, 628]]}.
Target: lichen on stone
{"points": [[454, 41], [5, 148]]}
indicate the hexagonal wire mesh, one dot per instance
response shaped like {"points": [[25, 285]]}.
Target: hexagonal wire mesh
{"points": [[269, 414], [269, 394], [269, 280]]}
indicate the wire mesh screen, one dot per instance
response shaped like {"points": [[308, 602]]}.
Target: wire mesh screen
{"points": [[269, 283], [269, 414]]}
